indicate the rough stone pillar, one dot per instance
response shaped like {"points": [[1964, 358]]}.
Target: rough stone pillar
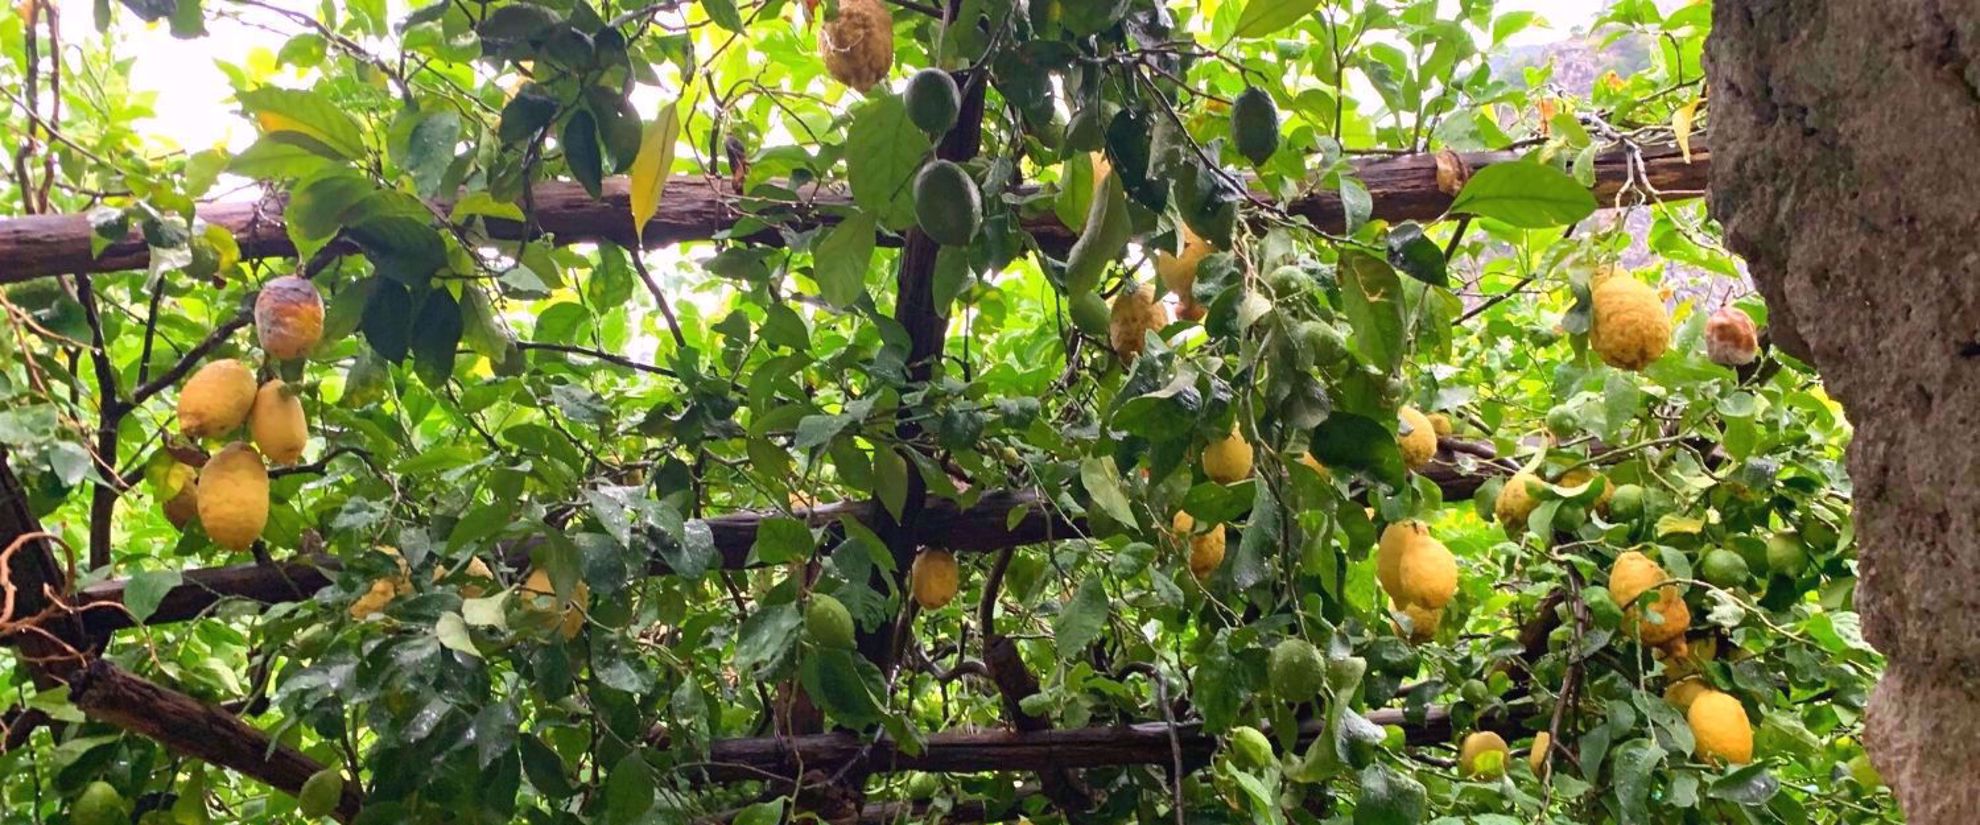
{"points": [[1846, 169]]}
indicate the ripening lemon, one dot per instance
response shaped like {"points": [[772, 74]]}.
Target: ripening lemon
{"points": [[278, 425], [1206, 549], [1719, 724], [216, 399], [538, 587], [934, 577], [1483, 755], [1228, 459], [233, 496], [1419, 443]]}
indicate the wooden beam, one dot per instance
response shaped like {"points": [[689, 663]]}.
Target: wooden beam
{"points": [[1148, 743], [189, 727], [699, 208]]}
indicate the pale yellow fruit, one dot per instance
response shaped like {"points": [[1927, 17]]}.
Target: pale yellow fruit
{"points": [[233, 496], [1719, 724], [1178, 272], [1632, 575], [1630, 328], [1440, 424], [1206, 549], [934, 577], [1673, 618], [216, 399], [1537, 756], [1414, 568], [1583, 475], [374, 600], [1428, 574], [1419, 444], [1228, 459], [1517, 500], [181, 509], [478, 571], [1682, 693], [1135, 313], [278, 425], [1483, 755], [538, 587], [1423, 622], [858, 45]]}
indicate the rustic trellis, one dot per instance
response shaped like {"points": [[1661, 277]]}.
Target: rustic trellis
{"points": [[59, 630]]}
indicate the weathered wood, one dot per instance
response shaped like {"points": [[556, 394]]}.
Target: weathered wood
{"points": [[736, 760], [188, 727], [699, 208]]}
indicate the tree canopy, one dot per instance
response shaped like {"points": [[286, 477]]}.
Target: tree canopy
{"points": [[567, 411]]}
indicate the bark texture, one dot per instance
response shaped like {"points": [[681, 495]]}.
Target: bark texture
{"points": [[1843, 132]]}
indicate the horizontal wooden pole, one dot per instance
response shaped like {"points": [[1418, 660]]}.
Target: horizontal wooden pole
{"points": [[1148, 743], [189, 727], [697, 208]]}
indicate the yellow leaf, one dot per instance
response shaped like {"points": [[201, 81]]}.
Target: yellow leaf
{"points": [[651, 165], [1681, 124]]}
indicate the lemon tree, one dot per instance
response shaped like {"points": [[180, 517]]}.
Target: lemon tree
{"points": [[873, 411]]}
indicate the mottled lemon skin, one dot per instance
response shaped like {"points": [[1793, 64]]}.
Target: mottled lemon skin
{"points": [[233, 497], [1414, 568], [1206, 549], [1719, 724], [1631, 327], [1419, 444], [858, 45], [1135, 312], [1517, 500], [934, 577], [1228, 459], [288, 317], [216, 399], [277, 423]]}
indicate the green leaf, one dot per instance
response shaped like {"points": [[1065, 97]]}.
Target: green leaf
{"points": [[435, 335], [1359, 443], [1252, 563], [270, 159], [1525, 194], [1749, 785], [724, 13], [145, 590], [883, 152], [840, 262], [844, 685], [1373, 297], [1102, 480], [545, 769], [1263, 17], [581, 151], [452, 631], [292, 113], [1388, 798], [766, 638], [1080, 622], [780, 540], [629, 789], [422, 144], [388, 320], [526, 114], [1416, 255], [761, 813], [890, 480], [1635, 762]]}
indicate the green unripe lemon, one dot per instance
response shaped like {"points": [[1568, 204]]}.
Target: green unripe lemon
{"points": [[1723, 568], [1250, 747], [1296, 670], [1255, 125], [1626, 504], [947, 204], [827, 622], [1560, 422], [932, 100], [1325, 341], [99, 804], [320, 793], [1786, 556]]}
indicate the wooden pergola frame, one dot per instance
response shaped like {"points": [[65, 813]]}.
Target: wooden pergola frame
{"points": [[60, 630]]}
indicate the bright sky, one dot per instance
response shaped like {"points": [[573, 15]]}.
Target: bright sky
{"points": [[193, 103]]}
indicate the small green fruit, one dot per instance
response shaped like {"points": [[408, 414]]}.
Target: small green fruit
{"points": [[1251, 748], [947, 203], [1723, 568], [320, 793], [1255, 125], [1626, 504], [827, 622], [1561, 422], [1325, 341], [1786, 556], [1296, 670], [932, 100], [99, 804]]}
